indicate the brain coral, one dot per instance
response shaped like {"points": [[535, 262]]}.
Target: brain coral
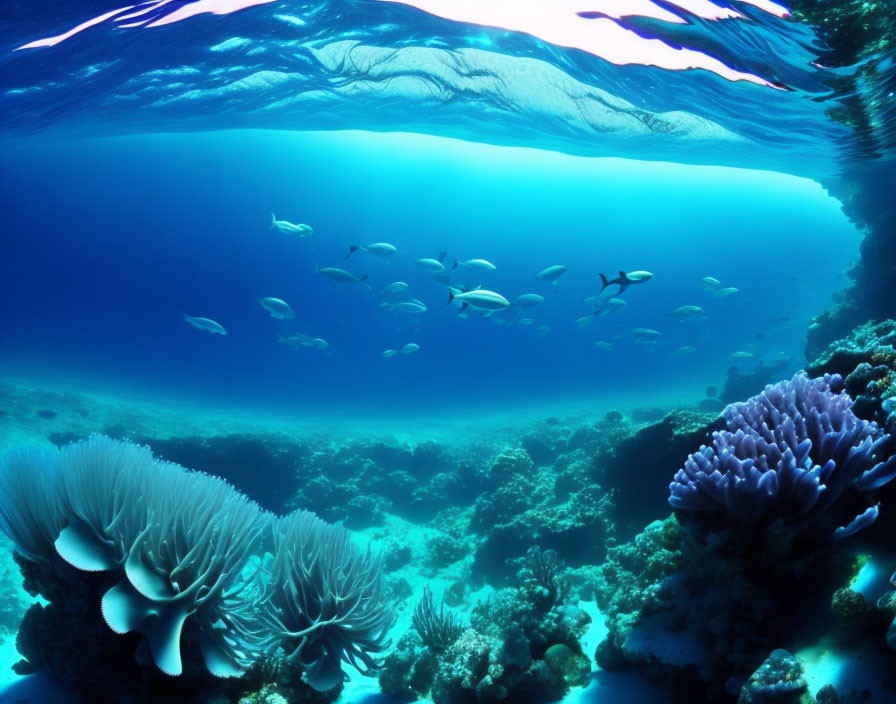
{"points": [[794, 453]]}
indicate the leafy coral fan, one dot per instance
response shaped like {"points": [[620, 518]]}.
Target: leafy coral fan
{"points": [[169, 554], [792, 458]]}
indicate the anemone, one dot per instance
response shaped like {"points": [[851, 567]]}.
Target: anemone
{"points": [[176, 540], [325, 602], [794, 453], [29, 505], [107, 490], [188, 564]]}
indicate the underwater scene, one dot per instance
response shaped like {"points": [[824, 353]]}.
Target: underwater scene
{"points": [[454, 352]]}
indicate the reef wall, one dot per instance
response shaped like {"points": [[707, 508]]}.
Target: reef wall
{"points": [[861, 37]]}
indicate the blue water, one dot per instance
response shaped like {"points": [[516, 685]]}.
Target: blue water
{"points": [[143, 149], [109, 240]]}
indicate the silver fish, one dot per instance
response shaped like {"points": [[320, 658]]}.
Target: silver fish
{"points": [[206, 324]]}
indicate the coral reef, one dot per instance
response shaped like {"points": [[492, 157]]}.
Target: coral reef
{"points": [[437, 629], [14, 603], [779, 680], [647, 457], [788, 467], [698, 603], [866, 358], [168, 555], [522, 644]]}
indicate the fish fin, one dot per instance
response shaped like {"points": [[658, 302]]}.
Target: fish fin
{"points": [[454, 266], [352, 248], [463, 307], [363, 277], [442, 257], [604, 281]]}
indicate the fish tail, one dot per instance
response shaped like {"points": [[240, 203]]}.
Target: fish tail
{"points": [[442, 256], [316, 267], [604, 281], [363, 277], [451, 296], [454, 266], [273, 221], [352, 248]]}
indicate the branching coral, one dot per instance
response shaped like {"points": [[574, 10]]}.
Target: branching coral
{"points": [[795, 453], [326, 600]]}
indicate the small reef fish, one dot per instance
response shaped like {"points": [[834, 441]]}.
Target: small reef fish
{"points": [[299, 340], [722, 292], [646, 334], [288, 228], [626, 280], [338, 275], [432, 266], [601, 345], [412, 306], [683, 351], [526, 321], [742, 355], [543, 329], [410, 347], [393, 288], [552, 273], [685, 312], [206, 324], [611, 306], [277, 308], [585, 320], [483, 264], [478, 298], [389, 353], [711, 282], [383, 250], [527, 300]]}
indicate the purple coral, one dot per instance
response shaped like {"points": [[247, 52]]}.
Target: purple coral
{"points": [[794, 451]]}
